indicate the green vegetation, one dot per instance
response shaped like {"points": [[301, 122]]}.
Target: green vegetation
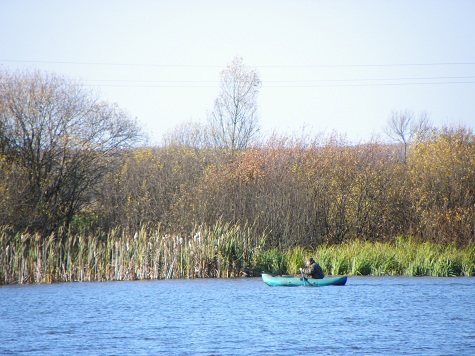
{"points": [[404, 257], [220, 251]]}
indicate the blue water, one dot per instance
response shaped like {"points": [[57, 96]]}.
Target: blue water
{"points": [[370, 315]]}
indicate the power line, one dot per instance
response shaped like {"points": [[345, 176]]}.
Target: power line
{"points": [[258, 66], [358, 82], [373, 79], [373, 84], [373, 65], [287, 86], [111, 63], [280, 81]]}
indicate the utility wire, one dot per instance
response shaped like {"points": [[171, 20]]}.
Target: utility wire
{"points": [[112, 64], [280, 81], [259, 66], [273, 83], [287, 86], [373, 84]]}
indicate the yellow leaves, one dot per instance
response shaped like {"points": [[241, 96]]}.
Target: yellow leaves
{"points": [[297, 192], [442, 172], [143, 154]]}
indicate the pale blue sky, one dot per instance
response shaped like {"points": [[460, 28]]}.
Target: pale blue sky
{"points": [[326, 65]]}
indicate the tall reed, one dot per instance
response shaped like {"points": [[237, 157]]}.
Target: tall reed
{"points": [[358, 258], [219, 251], [403, 257]]}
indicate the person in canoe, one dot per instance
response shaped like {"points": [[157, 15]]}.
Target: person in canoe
{"points": [[313, 269]]}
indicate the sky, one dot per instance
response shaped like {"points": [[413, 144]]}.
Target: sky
{"points": [[326, 66]]}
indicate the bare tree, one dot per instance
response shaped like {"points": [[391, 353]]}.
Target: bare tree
{"points": [[399, 128], [62, 138], [234, 120], [403, 127]]}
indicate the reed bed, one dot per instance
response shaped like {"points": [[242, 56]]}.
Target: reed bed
{"points": [[220, 251], [404, 257]]}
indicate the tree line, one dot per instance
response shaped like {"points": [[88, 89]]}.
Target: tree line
{"points": [[302, 193], [71, 161]]}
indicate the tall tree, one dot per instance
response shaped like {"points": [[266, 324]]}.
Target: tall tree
{"points": [[399, 128], [403, 127], [60, 138], [234, 121]]}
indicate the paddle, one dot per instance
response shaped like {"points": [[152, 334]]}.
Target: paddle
{"points": [[303, 278]]}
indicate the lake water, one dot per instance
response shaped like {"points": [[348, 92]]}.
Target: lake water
{"points": [[370, 315]]}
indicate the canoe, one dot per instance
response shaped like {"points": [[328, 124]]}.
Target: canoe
{"points": [[295, 281]]}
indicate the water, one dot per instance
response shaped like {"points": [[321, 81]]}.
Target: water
{"points": [[370, 315]]}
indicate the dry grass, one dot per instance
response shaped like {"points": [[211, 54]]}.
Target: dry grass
{"points": [[219, 251]]}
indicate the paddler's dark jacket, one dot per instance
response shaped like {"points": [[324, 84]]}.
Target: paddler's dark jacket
{"points": [[314, 271]]}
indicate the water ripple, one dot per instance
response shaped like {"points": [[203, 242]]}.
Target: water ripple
{"points": [[370, 315]]}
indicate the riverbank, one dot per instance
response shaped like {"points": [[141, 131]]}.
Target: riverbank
{"points": [[222, 251]]}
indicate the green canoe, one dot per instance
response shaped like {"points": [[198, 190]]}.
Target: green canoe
{"points": [[294, 281]]}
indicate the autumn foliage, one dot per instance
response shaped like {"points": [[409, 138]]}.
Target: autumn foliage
{"points": [[72, 163], [302, 193]]}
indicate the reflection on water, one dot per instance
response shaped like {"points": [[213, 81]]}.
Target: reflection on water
{"points": [[396, 315]]}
